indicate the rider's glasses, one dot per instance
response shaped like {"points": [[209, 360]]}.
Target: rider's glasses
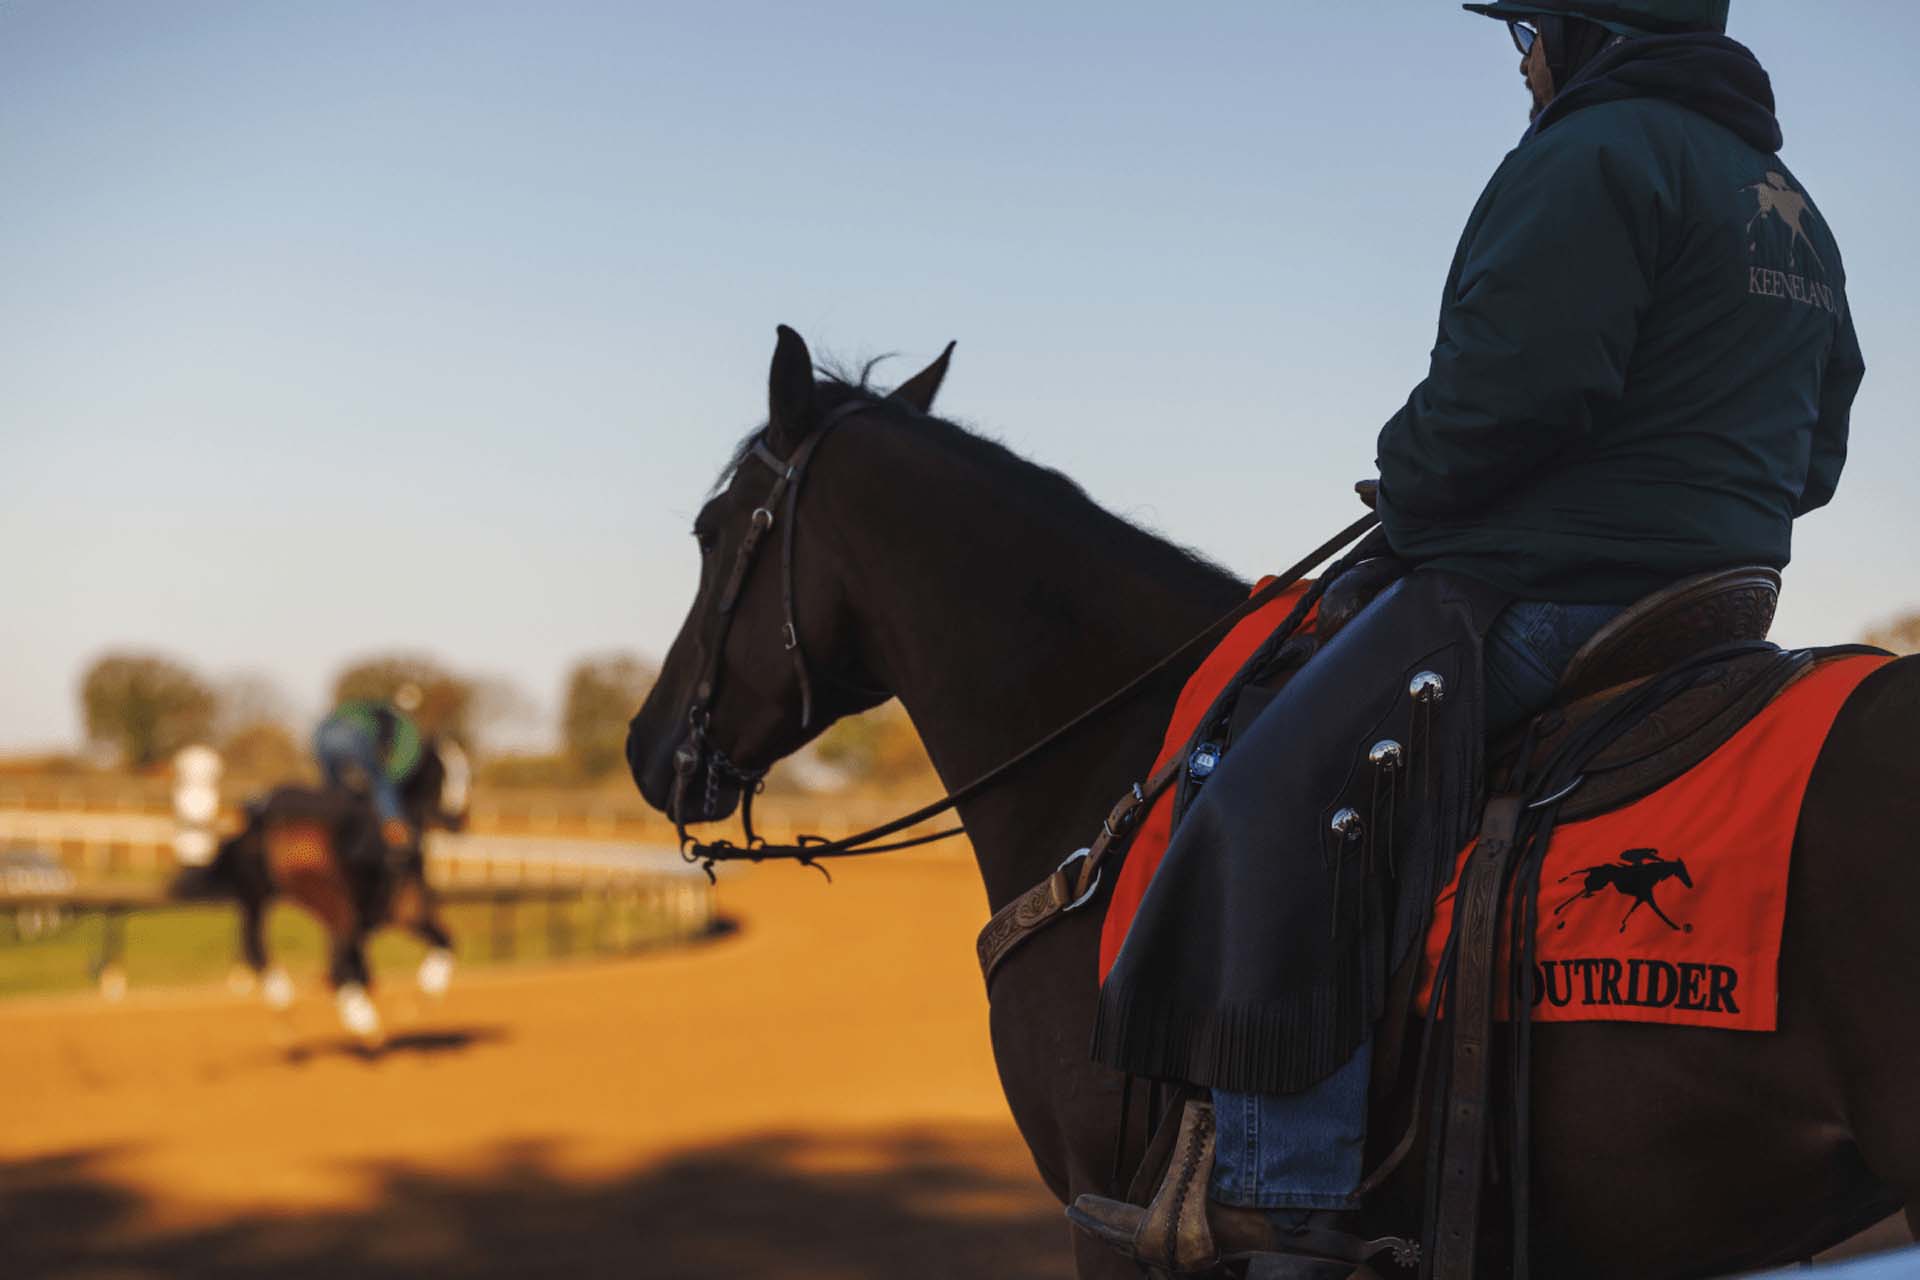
{"points": [[1523, 37]]}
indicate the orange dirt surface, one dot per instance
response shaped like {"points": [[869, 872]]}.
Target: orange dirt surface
{"points": [[810, 1096]]}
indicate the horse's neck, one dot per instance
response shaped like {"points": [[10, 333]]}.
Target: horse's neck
{"points": [[998, 610]]}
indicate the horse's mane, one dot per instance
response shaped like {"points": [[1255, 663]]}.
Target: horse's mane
{"points": [[839, 383]]}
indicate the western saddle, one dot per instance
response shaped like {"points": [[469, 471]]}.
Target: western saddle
{"points": [[1668, 627], [1730, 610]]}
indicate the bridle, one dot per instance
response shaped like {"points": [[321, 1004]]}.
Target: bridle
{"points": [[697, 758], [696, 749]]}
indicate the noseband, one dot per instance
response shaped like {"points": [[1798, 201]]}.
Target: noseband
{"points": [[696, 749]]}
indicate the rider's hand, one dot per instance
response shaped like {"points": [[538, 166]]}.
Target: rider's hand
{"points": [[1369, 491]]}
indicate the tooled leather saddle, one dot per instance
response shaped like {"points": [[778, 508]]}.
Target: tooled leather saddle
{"points": [[1715, 626]]}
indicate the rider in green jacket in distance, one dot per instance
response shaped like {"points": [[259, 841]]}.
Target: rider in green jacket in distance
{"points": [[372, 748]]}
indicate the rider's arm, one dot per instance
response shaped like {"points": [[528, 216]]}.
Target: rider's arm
{"points": [[1537, 328], [1845, 368]]}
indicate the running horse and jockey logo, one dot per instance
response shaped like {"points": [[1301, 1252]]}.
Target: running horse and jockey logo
{"points": [[1636, 875], [1783, 202]]}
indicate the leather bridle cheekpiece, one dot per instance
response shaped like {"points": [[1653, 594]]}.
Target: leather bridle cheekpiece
{"points": [[696, 749]]}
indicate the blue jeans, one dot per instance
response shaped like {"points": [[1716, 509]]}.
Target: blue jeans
{"points": [[1305, 1150], [351, 759], [1528, 649]]}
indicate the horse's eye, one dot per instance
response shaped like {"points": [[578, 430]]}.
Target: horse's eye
{"points": [[706, 540]]}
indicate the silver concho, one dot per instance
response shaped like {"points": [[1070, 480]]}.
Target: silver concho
{"points": [[1427, 687], [1204, 760], [1347, 824], [1386, 754]]}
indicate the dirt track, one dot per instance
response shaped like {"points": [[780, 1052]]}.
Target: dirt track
{"points": [[810, 1097]]}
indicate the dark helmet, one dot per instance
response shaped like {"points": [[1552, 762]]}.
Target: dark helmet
{"points": [[1622, 17]]}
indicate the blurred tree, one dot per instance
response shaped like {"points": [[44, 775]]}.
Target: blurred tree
{"points": [[265, 750], [145, 706], [500, 709], [246, 700], [1902, 634], [255, 728], [446, 699], [879, 747], [603, 692]]}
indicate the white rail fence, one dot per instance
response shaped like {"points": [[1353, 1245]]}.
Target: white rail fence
{"points": [[94, 842]]}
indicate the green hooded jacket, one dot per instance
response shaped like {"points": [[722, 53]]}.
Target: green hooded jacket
{"points": [[1645, 360], [394, 734]]}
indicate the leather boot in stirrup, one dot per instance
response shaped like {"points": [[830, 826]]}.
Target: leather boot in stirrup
{"points": [[1181, 1233]]}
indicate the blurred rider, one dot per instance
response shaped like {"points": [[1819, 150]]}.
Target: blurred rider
{"points": [[372, 747]]}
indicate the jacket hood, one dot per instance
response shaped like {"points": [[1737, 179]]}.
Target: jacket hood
{"points": [[1711, 74]]}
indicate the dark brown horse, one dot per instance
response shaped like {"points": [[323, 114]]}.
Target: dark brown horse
{"points": [[996, 601], [322, 850]]}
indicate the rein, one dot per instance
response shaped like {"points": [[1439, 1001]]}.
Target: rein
{"points": [[697, 750]]}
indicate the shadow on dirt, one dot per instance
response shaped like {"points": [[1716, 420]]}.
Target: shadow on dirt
{"points": [[951, 1203], [423, 1044]]}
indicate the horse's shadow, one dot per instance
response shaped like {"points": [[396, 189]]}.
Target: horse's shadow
{"points": [[424, 1043]]}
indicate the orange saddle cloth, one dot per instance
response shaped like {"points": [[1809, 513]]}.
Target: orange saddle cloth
{"points": [[1670, 909]]}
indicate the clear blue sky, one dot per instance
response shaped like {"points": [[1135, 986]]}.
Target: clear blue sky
{"points": [[371, 324]]}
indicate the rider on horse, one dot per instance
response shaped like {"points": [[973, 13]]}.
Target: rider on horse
{"points": [[1644, 371], [373, 747]]}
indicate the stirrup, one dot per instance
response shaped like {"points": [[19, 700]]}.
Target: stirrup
{"points": [[1175, 1235]]}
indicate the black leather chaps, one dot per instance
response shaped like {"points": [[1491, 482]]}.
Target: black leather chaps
{"points": [[1302, 873]]}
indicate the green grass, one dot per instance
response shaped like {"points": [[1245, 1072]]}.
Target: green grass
{"points": [[191, 945]]}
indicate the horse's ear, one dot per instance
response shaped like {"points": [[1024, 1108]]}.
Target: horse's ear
{"points": [[789, 392], [922, 387]]}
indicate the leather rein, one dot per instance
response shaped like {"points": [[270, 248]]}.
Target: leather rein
{"points": [[697, 754]]}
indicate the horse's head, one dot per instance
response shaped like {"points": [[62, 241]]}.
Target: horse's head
{"points": [[437, 792], [1680, 870], [766, 658]]}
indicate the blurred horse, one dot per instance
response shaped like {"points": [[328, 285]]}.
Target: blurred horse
{"points": [[322, 849], [998, 602]]}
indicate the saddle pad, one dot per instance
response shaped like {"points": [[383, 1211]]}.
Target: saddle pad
{"points": [[1670, 909], [300, 860], [1156, 825]]}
